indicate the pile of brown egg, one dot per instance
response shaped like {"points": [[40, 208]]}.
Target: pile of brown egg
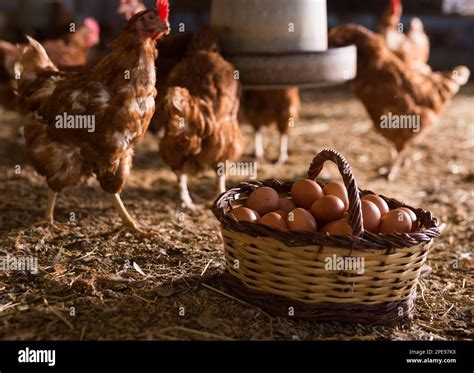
{"points": [[311, 208]]}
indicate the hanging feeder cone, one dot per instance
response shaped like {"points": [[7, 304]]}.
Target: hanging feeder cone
{"points": [[280, 43]]}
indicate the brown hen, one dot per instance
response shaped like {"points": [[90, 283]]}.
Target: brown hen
{"points": [[199, 114], [72, 53], [75, 50], [172, 50], [117, 95], [412, 47], [402, 101]]}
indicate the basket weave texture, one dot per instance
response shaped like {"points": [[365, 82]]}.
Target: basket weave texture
{"points": [[296, 273]]}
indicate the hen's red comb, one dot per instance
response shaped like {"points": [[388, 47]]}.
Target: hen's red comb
{"points": [[163, 9], [396, 3]]}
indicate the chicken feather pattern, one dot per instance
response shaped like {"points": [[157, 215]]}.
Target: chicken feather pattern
{"points": [[119, 92], [388, 85]]}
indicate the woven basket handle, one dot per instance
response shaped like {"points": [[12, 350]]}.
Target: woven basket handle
{"points": [[355, 212]]}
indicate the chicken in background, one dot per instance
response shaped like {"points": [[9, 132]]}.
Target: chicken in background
{"points": [[263, 108], [391, 88], [8, 57], [59, 20], [172, 49], [199, 114], [412, 47], [75, 50], [70, 54], [118, 95], [128, 8]]}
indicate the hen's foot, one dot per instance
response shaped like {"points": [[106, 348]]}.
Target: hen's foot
{"points": [[281, 161], [135, 229], [283, 150], [392, 174], [50, 225], [129, 224], [188, 205]]}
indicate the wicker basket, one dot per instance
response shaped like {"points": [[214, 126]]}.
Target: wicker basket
{"points": [[285, 272]]}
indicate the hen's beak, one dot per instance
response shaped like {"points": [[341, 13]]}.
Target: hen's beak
{"points": [[160, 30], [164, 29]]}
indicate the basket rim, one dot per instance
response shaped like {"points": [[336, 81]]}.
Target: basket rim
{"points": [[369, 241]]}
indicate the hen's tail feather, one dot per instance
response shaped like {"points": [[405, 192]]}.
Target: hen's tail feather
{"points": [[449, 82], [32, 59]]}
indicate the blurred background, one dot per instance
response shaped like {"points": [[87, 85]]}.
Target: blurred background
{"points": [[448, 23]]}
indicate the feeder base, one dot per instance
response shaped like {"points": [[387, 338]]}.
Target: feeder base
{"points": [[305, 70]]}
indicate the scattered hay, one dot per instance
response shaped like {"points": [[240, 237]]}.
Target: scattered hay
{"points": [[94, 283]]}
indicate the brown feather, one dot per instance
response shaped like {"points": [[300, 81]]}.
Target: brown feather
{"points": [[119, 92], [386, 84], [200, 110]]}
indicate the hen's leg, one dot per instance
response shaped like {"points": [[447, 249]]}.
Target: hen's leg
{"points": [[49, 215], [283, 149], [128, 222], [50, 207], [112, 182], [393, 154], [258, 145], [186, 200], [220, 183], [400, 158]]}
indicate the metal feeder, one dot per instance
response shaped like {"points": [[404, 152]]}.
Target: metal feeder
{"points": [[281, 43]]}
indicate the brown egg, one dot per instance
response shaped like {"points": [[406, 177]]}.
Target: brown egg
{"points": [[337, 189], [412, 216], [274, 220], [245, 214], [379, 201], [327, 209], [395, 221], [371, 216], [305, 192], [340, 226], [282, 213], [301, 220], [263, 200], [285, 203]]}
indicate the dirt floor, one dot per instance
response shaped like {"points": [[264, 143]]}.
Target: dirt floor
{"points": [[95, 282]]}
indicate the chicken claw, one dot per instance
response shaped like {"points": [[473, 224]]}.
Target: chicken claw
{"points": [[283, 150], [48, 221], [281, 161], [139, 231], [129, 224], [188, 205], [186, 200], [48, 224]]}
